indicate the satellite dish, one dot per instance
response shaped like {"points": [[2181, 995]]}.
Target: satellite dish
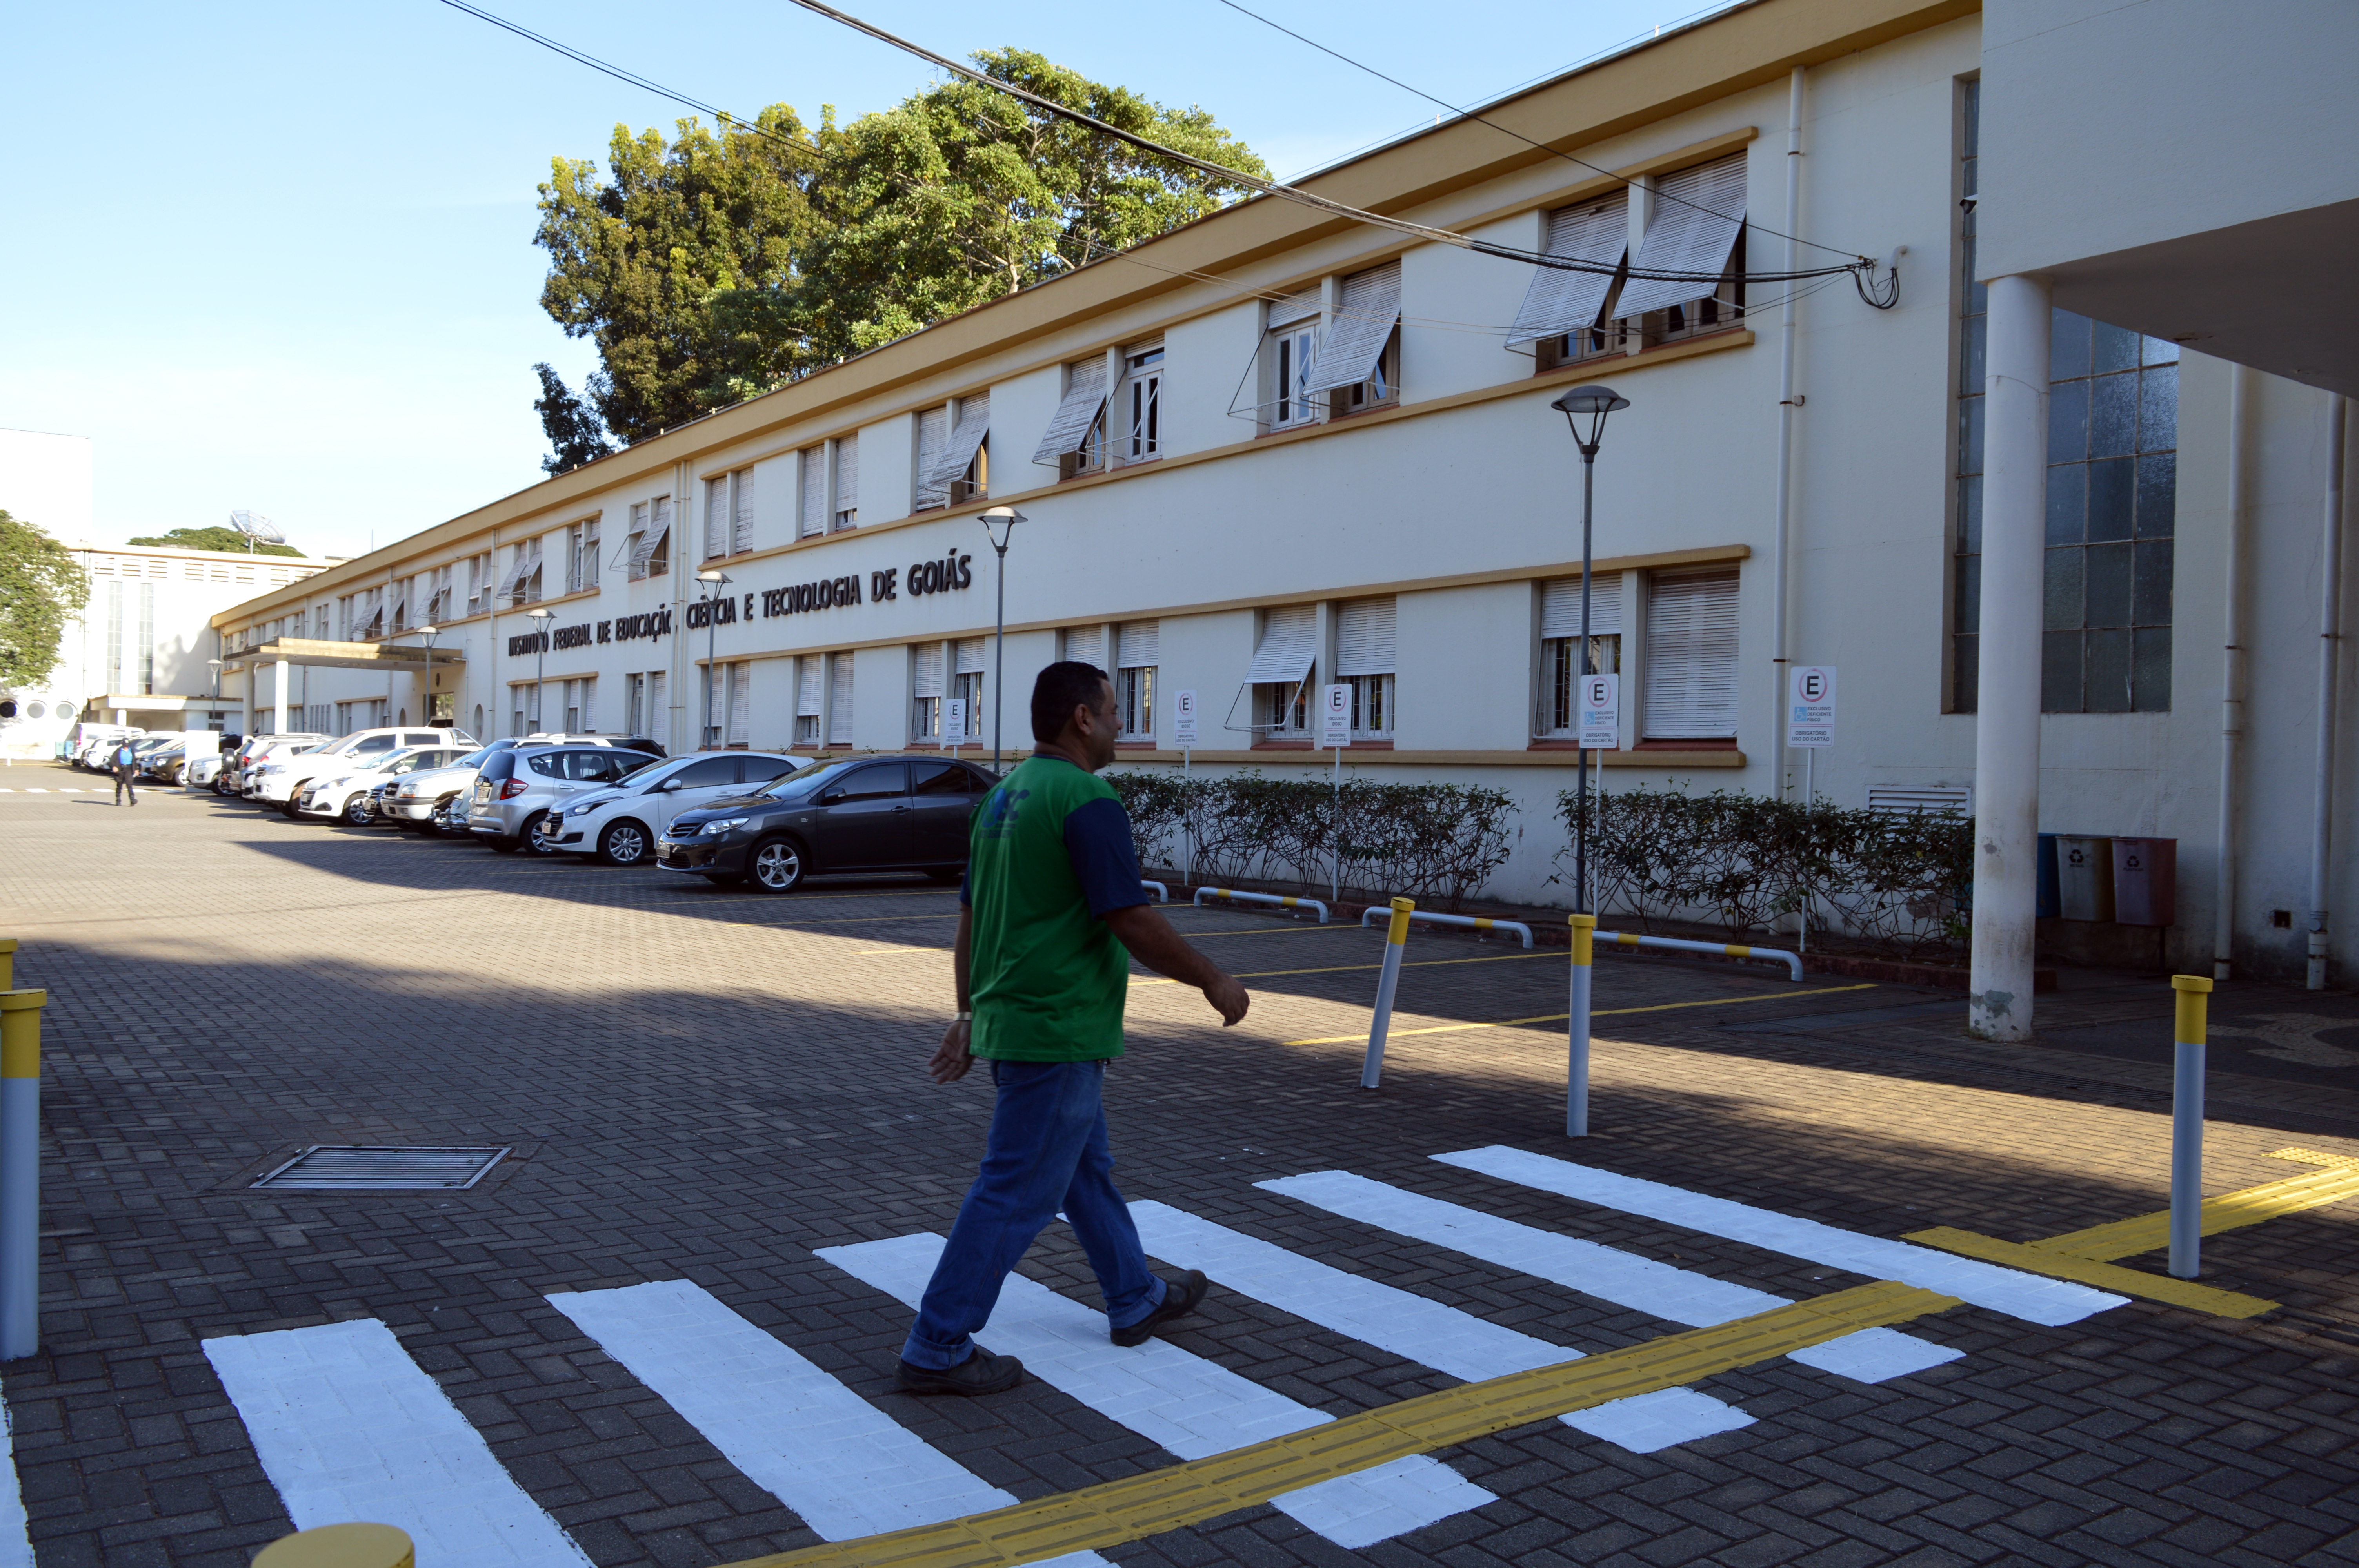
{"points": [[254, 526]]}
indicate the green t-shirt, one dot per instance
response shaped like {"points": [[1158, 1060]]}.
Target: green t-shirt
{"points": [[1048, 852]]}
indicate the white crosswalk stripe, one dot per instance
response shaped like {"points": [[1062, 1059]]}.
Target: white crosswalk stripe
{"points": [[16, 1539], [1681, 1295], [348, 1427], [1192, 1407], [2030, 1297], [845, 1467], [1417, 1330]]}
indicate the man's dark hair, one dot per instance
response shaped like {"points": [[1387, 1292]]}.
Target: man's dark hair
{"points": [[1064, 686]]}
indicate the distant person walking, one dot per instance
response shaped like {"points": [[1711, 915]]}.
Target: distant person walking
{"points": [[1051, 913], [126, 774]]}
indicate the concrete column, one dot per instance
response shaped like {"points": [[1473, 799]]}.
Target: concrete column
{"points": [[2007, 725], [283, 726]]}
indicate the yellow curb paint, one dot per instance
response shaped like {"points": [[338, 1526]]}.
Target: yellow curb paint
{"points": [[1601, 1013], [2088, 1272], [2229, 1211], [1114, 1513], [8, 963]]}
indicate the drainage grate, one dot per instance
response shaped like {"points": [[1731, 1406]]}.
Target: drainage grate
{"points": [[351, 1168]]}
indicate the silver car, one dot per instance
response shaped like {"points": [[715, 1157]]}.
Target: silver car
{"points": [[518, 791]]}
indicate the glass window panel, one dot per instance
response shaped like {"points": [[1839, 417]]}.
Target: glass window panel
{"points": [[2150, 592], [2150, 669], [2068, 501], [2160, 352], [2113, 416], [2105, 680], [1970, 362], [1970, 435], [2117, 347], [2158, 409], [2158, 496], [2111, 483], [2068, 422], [2061, 593], [1965, 673], [1970, 593], [2059, 671], [1970, 515], [2106, 586], [2068, 345]]}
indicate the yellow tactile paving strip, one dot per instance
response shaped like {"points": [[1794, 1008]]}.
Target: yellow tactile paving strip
{"points": [[1117, 1512]]}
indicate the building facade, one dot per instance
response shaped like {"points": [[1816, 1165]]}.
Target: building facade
{"points": [[1278, 451]]}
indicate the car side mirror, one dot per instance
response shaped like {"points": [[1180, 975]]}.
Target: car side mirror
{"points": [[672, 783], [830, 796]]}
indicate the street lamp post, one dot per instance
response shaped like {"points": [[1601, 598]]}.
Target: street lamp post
{"points": [[711, 578], [999, 526], [1591, 404], [540, 619]]}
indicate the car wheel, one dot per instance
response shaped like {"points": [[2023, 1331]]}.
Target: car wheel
{"points": [[502, 845], [624, 843], [539, 835], [293, 809], [356, 811], [775, 865], [949, 876]]}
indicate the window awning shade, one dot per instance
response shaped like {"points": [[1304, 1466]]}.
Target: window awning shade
{"points": [[1086, 645], [1075, 414], [1560, 607], [970, 656], [651, 540], [1363, 637], [839, 709], [1288, 639], [1698, 214], [741, 535], [925, 674], [807, 692], [716, 517], [1140, 644], [1691, 671], [931, 427], [847, 474], [958, 454], [1364, 323], [517, 568], [1293, 307], [1559, 301], [812, 519]]}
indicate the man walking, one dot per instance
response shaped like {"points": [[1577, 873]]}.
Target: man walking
{"points": [[126, 772], [1052, 913]]}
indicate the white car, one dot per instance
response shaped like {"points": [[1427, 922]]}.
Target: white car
{"points": [[620, 822], [345, 792], [280, 780]]}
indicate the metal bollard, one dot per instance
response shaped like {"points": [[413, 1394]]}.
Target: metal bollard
{"points": [[20, 1172], [341, 1546], [1576, 1082], [8, 963], [2186, 1127], [1395, 943]]}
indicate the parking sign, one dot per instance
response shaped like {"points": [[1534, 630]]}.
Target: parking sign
{"points": [[1811, 710], [1336, 716], [1601, 713], [955, 720], [1183, 719]]}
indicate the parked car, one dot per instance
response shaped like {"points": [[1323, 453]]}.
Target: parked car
{"points": [[163, 763], [437, 803], [348, 794], [517, 792], [280, 782], [256, 749], [861, 814], [619, 825], [205, 773], [90, 738]]}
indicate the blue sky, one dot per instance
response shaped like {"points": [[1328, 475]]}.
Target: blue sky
{"points": [[279, 256]]}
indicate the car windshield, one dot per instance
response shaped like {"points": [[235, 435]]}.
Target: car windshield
{"points": [[471, 759], [313, 751], [642, 774], [803, 779]]}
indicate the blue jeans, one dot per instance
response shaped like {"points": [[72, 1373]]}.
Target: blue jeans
{"points": [[1047, 1150]]}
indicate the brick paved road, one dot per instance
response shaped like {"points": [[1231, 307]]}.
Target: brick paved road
{"points": [[712, 1085]]}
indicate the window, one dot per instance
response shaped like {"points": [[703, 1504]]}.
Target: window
{"points": [[523, 703], [1363, 660], [1137, 646], [1558, 715], [1290, 347], [966, 462], [319, 630], [809, 697], [147, 637], [1359, 360], [810, 497], [634, 705], [1142, 384], [847, 483], [926, 690], [966, 684], [878, 781], [737, 682], [581, 717], [943, 778], [1280, 672], [478, 591], [838, 701], [1563, 313], [728, 514], [716, 517], [582, 557], [933, 435], [650, 539], [1690, 672], [1083, 645], [529, 584], [658, 714], [707, 772], [1696, 224], [1075, 440]]}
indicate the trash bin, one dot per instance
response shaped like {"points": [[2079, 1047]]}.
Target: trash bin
{"points": [[2051, 903], [2145, 882], [2085, 878]]}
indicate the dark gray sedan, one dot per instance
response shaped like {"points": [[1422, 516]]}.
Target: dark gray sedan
{"points": [[853, 814]]}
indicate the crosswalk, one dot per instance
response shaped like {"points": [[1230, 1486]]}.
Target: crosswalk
{"points": [[348, 1426]]}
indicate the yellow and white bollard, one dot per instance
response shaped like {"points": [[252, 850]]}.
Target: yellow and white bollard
{"points": [[1576, 1083], [340, 1546], [20, 1172], [2187, 1126], [8, 963], [1395, 943]]}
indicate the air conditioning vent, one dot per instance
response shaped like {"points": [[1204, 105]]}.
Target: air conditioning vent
{"points": [[1903, 799]]}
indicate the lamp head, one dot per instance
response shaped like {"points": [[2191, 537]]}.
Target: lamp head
{"points": [[429, 630], [214, 662], [540, 614], [999, 526], [712, 574], [1588, 406]]}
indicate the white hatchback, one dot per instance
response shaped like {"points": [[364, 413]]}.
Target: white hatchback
{"points": [[344, 792], [620, 822]]}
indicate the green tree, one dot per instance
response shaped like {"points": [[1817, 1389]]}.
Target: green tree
{"points": [[215, 538], [575, 435], [41, 588]]}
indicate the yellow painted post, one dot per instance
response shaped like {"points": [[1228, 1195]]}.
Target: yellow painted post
{"points": [[8, 963], [1576, 1081], [340, 1546], [20, 1172], [1395, 943], [2187, 1126]]}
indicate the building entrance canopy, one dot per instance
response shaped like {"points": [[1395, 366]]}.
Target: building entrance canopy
{"points": [[321, 653]]}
